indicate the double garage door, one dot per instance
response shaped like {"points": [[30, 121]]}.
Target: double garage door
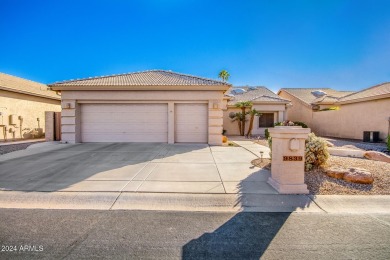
{"points": [[143, 123]]}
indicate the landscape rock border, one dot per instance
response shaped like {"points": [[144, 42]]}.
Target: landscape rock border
{"points": [[356, 175]]}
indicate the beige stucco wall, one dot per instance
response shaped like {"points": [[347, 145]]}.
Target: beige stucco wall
{"points": [[232, 127], [298, 111], [71, 116], [30, 108], [348, 122], [352, 119]]}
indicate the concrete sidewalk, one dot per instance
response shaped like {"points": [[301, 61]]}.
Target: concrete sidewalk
{"points": [[353, 204], [249, 145]]}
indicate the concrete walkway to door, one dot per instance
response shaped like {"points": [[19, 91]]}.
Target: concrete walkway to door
{"points": [[133, 167]]}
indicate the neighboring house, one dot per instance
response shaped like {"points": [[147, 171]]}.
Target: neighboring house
{"points": [[355, 112], [148, 106], [365, 110], [271, 106], [305, 101], [22, 107]]}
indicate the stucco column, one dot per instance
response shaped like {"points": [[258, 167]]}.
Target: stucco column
{"points": [[288, 159], [171, 122], [280, 116], [49, 126]]}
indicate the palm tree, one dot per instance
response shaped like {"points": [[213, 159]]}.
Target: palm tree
{"points": [[243, 105], [237, 117], [253, 112], [224, 75]]}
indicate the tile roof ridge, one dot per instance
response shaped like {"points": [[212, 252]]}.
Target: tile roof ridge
{"points": [[360, 91], [196, 77], [139, 72], [269, 97]]}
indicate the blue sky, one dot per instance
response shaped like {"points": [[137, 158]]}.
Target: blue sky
{"points": [[309, 43]]}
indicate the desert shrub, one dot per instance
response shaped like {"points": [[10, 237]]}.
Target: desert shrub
{"points": [[388, 142], [269, 139], [316, 152], [266, 133]]}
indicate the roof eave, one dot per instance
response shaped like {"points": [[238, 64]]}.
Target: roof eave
{"points": [[29, 93], [139, 87]]}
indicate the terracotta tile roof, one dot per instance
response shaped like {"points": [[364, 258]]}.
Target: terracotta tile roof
{"points": [[374, 92], [143, 78], [16, 84], [306, 96], [254, 94]]}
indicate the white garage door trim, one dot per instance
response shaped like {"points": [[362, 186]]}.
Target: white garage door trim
{"points": [[191, 123], [124, 122]]}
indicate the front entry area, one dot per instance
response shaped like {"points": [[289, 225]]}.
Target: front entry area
{"points": [[124, 123]]}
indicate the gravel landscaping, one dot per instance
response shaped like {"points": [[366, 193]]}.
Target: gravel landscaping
{"points": [[319, 183], [14, 147]]}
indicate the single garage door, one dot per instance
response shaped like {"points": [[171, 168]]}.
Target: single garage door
{"points": [[124, 123], [191, 123]]}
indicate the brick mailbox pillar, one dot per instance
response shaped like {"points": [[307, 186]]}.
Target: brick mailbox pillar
{"points": [[288, 159]]}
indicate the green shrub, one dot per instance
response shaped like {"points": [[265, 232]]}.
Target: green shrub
{"points": [[291, 123], [388, 142], [300, 124], [266, 133], [316, 152], [269, 139]]}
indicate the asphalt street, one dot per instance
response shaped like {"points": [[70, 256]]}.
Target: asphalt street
{"points": [[81, 234]]}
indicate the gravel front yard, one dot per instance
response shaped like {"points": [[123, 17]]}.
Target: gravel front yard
{"points": [[319, 183]]}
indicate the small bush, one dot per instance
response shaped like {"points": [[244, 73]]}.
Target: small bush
{"points": [[316, 152], [300, 124], [291, 123], [388, 142], [266, 133], [269, 139]]}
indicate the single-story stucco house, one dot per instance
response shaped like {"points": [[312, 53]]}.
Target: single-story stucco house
{"points": [[350, 115], [148, 106], [23, 104], [271, 106]]}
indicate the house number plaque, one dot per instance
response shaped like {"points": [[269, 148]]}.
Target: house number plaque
{"points": [[292, 158]]}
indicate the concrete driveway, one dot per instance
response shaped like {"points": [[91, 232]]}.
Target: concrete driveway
{"points": [[134, 167]]}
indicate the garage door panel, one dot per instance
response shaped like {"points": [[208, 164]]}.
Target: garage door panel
{"points": [[102, 137], [123, 127], [124, 123], [115, 118], [191, 123]]}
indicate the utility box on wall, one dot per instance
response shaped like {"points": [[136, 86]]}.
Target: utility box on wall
{"points": [[13, 119]]}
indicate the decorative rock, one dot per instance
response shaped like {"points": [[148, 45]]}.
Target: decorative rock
{"points": [[358, 175], [377, 156], [336, 172]]}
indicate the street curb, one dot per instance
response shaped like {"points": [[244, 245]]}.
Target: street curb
{"points": [[324, 204]]}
